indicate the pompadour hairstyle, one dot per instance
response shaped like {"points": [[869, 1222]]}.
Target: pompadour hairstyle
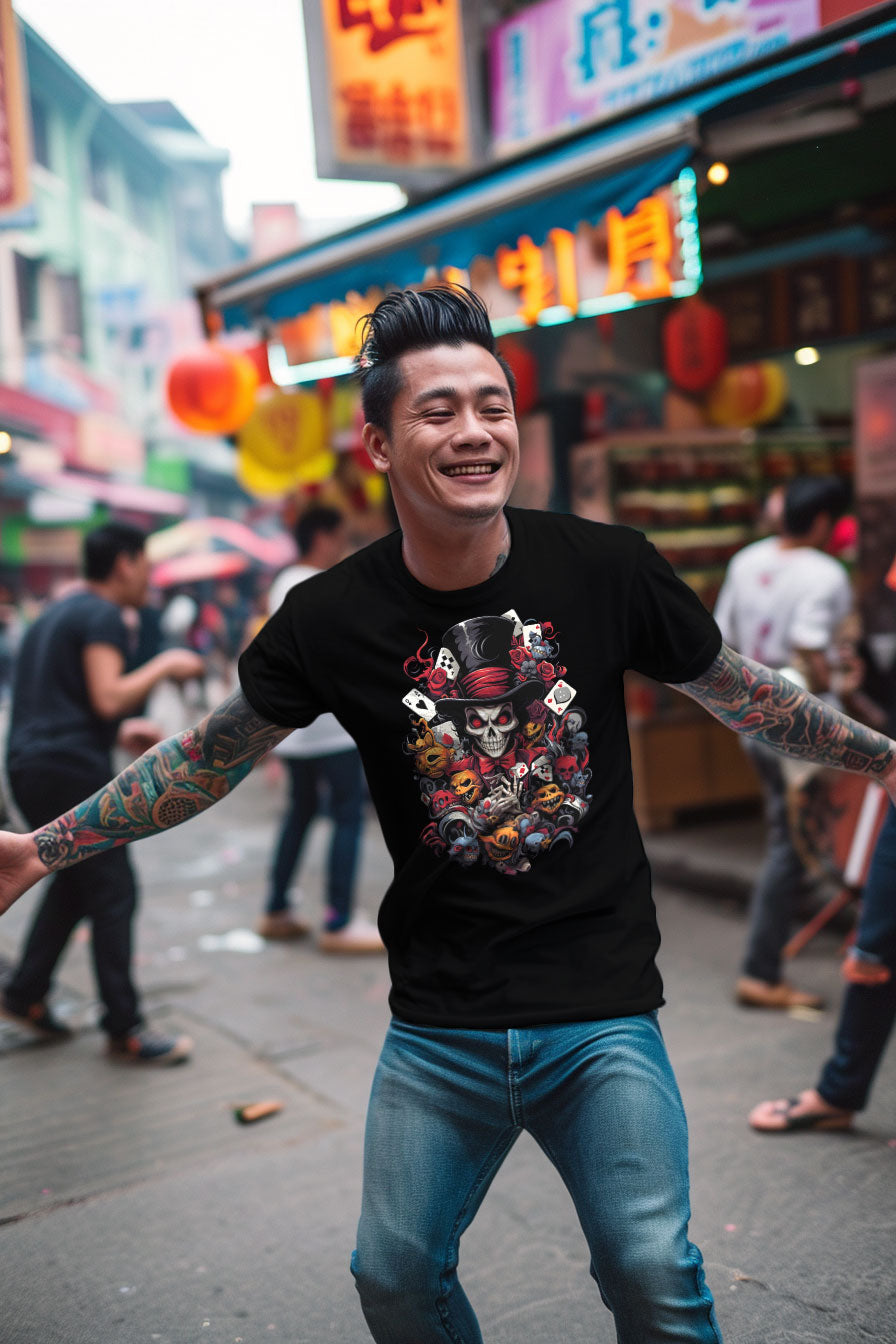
{"points": [[411, 319], [103, 545]]}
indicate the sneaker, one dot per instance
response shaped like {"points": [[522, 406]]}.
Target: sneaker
{"points": [[143, 1046], [38, 1019], [355, 938], [283, 924]]}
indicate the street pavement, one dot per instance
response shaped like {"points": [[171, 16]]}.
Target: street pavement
{"points": [[133, 1206]]}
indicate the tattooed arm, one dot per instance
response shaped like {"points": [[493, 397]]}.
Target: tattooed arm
{"points": [[169, 784], [762, 704]]}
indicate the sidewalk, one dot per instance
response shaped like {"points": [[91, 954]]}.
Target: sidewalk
{"points": [[134, 1208]]}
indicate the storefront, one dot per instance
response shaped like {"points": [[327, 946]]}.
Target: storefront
{"points": [[639, 402]]}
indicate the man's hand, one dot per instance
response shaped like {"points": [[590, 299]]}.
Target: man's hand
{"points": [[179, 664], [20, 867], [137, 735]]}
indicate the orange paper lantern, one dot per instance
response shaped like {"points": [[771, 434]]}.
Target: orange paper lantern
{"points": [[212, 389], [747, 394]]}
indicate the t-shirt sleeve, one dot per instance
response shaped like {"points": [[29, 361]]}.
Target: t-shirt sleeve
{"points": [[105, 625], [272, 674], [672, 635]]}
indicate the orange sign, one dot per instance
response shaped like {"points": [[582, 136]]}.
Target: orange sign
{"points": [[14, 187], [397, 83]]}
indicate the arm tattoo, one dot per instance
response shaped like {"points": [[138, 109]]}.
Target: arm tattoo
{"points": [[169, 784], [762, 704]]}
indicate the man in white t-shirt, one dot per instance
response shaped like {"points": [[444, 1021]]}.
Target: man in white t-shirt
{"points": [[324, 769], [781, 604]]}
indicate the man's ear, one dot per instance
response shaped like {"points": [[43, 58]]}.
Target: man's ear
{"points": [[377, 446]]}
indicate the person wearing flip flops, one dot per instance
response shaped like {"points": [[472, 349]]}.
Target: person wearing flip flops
{"points": [[868, 1011]]}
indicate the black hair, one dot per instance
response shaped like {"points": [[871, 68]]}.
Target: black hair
{"points": [[807, 497], [103, 545], [417, 319], [319, 518]]}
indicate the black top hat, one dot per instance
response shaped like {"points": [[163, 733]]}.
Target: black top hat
{"points": [[487, 676]]}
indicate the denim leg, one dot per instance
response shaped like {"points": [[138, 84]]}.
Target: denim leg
{"points": [[304, 803], [438, 1127], [777, 886], [601, 1099], [345, 782], [867, 1014]]}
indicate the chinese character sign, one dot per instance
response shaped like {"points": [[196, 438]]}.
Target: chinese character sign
{"points": [[397, 88], [563, 62], [14, 187]]}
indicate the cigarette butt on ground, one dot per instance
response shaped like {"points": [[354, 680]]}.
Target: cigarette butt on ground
{"points": [[256, 1110]]}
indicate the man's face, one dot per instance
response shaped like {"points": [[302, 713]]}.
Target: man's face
{"points": [[453, 448], [133, 574]]}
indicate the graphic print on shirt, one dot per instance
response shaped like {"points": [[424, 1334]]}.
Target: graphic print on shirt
{"points": [[499, 751]]}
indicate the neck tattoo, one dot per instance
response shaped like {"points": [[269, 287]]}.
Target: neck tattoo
{"points": [[503, 553]]}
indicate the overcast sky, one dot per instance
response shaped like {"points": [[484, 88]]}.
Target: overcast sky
{"points": [[235, 68]]}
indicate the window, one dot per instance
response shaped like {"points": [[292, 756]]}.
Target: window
{"points": [[40, 133], [99, 174]]}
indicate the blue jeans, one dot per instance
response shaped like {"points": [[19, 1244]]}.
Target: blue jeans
{"points": [[778, 884], [868, 1013], [337, 780], [601, 1101]]}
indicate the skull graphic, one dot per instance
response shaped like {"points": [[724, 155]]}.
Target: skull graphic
{"points": [[491, 727], [467, 785]]}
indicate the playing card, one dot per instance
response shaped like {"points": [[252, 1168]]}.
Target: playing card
{"points": [[560, 697], [517, 623], [529, 629], [520, 770], [420, 704], [448, 663]]}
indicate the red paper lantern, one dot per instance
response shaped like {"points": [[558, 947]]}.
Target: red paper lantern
{"points": [[695, 345], [524, 367], [259, 357], [212, 389]]}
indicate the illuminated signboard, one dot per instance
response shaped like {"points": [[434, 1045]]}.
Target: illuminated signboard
{"points": [[14, 187], [651, 253], [390, 94]]}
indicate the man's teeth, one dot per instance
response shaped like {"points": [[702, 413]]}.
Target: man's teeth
{"points": [[484, 470]]}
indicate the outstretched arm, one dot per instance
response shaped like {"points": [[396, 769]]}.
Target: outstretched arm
{"points": [[762, 704], [169, 784]]}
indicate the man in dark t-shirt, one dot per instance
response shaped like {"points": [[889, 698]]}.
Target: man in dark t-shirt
{"points": [[71, 695], [476, 656]]}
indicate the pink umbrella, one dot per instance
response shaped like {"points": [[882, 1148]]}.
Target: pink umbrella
{"points": [[200, 565]]}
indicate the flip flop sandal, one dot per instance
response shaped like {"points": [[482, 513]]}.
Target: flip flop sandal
{"points": [[811, 1119]]}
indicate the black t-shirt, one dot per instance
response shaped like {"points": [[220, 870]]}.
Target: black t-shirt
{"points": [[492, 728], [51, 716]]}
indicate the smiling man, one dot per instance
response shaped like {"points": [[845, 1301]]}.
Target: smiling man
{"points": [[476, 656]]}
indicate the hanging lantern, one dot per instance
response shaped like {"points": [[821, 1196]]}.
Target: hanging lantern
{"points": [[695, 344], [259, 357], [524, 367], [284, 444], [747, 394], [212, 389]]}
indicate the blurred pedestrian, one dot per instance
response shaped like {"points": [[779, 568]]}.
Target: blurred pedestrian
{"points": [[71, 700], [867, 1013], [782, 603], [520, 925], [325, 775]]}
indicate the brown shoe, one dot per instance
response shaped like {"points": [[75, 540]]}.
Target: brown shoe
{"points": [[282, 925], [760, 994]]}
